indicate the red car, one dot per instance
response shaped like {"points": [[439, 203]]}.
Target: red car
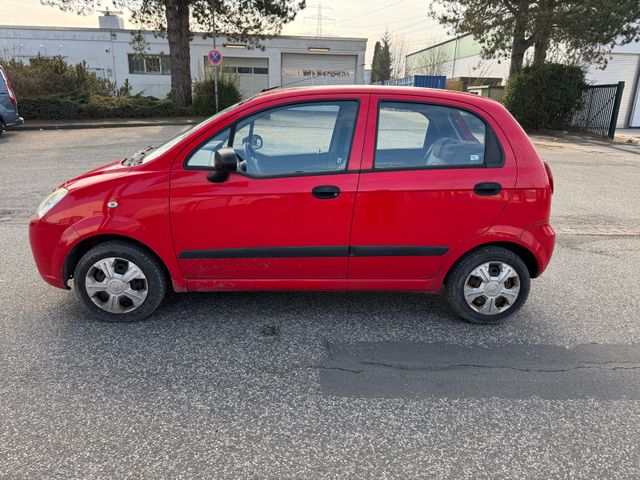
{"points": [[321, 188]]}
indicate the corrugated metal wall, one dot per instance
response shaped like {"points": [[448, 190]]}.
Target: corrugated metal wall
{"points": [[299, 69]]}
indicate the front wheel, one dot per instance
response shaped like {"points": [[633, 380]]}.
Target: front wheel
{"points": [[488, 285], [120, 282]]}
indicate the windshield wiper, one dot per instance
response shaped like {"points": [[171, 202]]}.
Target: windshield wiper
{"points": [[136, 158]]}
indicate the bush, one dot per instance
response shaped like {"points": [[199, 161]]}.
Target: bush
{"points": [[544, 97], [204, 100], [53, 76]]}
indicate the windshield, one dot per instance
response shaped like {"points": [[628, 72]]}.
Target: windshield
{"points": [[151, 152]]}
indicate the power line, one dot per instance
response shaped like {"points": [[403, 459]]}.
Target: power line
{"points": [[371, 12], [381, 24]]}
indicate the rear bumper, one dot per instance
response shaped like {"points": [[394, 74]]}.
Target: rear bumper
{"points": [[541, 240], [16, 122]]}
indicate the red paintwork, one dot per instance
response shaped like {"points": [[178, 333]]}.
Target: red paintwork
{"points": [[170, 209]]}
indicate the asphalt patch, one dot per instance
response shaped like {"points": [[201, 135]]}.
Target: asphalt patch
{"points": [[513, 371]]}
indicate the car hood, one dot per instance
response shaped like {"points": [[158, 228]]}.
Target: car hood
{"points": [[106, 172]]}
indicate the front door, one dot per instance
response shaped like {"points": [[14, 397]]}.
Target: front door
{"points": [[434, 176], [286, 214]]}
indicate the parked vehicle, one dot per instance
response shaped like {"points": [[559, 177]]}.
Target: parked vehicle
{"points": [[9, 116], [321, 188]]}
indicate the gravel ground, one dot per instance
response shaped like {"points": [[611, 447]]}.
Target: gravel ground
{"points": [[326, 385]]}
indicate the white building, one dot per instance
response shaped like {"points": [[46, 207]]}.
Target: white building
{"points": [[285, 60], [460, 57]]}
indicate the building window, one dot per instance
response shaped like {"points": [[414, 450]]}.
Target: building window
{"points": [[149, 64]]}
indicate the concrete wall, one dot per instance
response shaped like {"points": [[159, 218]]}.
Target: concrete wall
{"points": [[107, 51]]}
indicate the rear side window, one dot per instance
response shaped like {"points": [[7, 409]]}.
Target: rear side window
{"points": [[417, 135]]}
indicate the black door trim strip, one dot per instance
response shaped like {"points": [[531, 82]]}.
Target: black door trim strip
{"points": [[396, 251], [297, 252], [268, 252]]}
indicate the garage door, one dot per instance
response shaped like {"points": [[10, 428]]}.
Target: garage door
{"points": [[620, 68], [253, 73], [299, 69]]}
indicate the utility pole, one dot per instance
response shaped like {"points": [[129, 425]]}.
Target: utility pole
{"points": [[215, 67], [319, 18]]}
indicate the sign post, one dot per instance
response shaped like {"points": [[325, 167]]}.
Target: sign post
{"points": [[215, 56]]}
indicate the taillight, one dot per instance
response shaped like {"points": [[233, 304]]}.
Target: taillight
{"points": [[549, 175], [12, 97]]}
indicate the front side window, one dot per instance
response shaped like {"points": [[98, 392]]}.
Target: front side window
{"points": [[294, 139], [415, 135]]}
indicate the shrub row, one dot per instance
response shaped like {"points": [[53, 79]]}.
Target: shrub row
{"points": [[58, 107]]}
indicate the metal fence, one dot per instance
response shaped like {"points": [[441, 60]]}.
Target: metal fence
{"points": [[599, 112]]}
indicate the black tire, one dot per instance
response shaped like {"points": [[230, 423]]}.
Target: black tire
{"points": [[454, 286], [156, 281]]}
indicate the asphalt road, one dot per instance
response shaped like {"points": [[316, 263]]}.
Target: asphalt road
{"points": [[326, 385]]}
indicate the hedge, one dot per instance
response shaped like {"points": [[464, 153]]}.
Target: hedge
{"points": [[59, 107], [544, 97]]}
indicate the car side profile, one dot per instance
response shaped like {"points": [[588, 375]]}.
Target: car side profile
{"points": [[312, 188], [9, 116]]}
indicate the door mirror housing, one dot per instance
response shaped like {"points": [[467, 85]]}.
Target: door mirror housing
{"points": [[225, 160]]}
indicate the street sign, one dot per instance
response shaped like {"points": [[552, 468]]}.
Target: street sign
{"points": [[215, 57]]}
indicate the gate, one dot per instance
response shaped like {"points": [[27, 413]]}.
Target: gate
{"points": [[600, 107]]}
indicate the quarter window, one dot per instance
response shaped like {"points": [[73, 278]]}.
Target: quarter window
{"points": [[294, 139], [423, 135], [204, 155]]}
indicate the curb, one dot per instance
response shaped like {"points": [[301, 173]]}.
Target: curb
{"points": [[80, 126]]}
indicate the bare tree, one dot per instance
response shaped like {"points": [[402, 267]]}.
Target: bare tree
{"points": [[398, 57], [431, 61], [10, 52]]}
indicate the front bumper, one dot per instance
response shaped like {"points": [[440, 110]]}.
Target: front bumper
{"points": [[50, 245]]}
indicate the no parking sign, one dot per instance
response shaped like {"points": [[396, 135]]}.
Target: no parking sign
{"points": [[215, 57]]}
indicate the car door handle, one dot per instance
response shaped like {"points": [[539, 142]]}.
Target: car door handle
{"points": [[325, 192], [487, 188]]}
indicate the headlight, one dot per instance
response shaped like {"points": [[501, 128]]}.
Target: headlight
{"points": [[51, 201]]}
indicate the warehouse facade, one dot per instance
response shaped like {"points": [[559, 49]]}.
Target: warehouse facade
{"points": [[109, 52], [460, 57]]}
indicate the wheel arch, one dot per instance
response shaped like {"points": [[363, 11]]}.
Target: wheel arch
{"points": [[86, 244], [523, 252]]}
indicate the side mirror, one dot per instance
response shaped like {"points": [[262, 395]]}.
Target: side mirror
{"points": [[225, 160]]}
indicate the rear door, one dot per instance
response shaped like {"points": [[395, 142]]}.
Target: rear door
{"points": [[286, 214], [434, 175]]}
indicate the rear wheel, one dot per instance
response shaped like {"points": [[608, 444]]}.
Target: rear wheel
{"points": [[488, 285], [120, 282]]}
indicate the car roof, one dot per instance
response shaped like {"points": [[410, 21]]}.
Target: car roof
{"points": [[278, 92]]}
